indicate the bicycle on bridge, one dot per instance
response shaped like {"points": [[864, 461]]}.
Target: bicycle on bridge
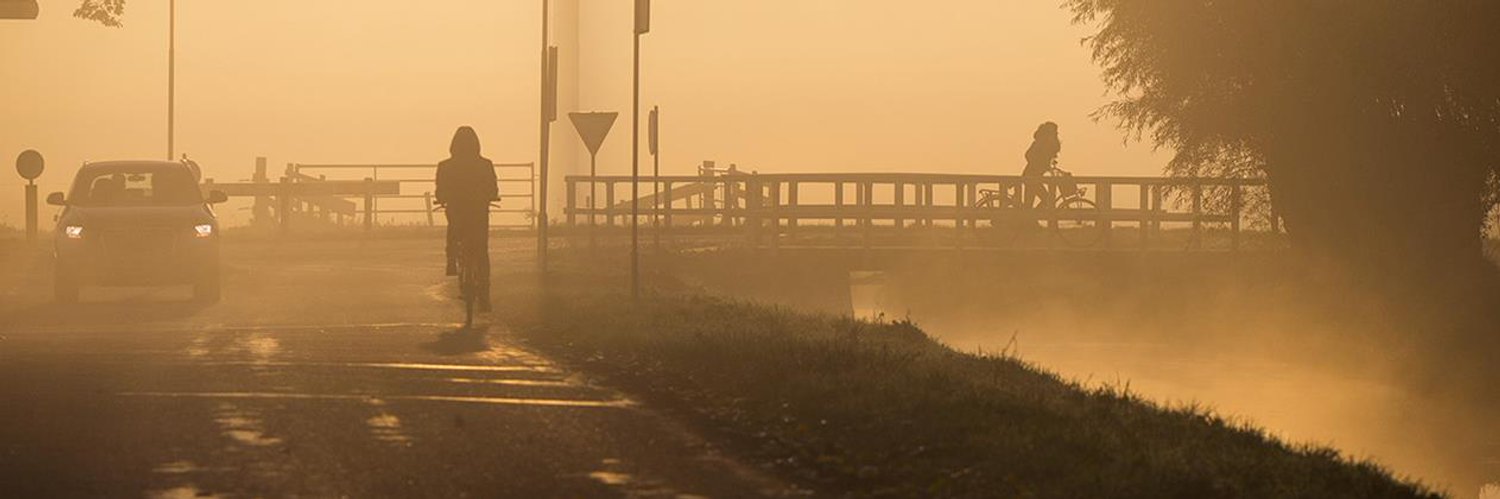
{"points": [[1064, 205]]}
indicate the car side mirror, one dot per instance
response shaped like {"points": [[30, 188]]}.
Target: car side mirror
{"points": [[57, 199], [216, 197]]}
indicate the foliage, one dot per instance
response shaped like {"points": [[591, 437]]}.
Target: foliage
{"points": [[106, 12], [1355, 110]]}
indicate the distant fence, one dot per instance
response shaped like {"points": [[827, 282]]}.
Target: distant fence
{"points": [[877, 209], [412, 201]]}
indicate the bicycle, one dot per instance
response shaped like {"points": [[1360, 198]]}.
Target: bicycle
{"points": [[470, 279], [1072, 216]]}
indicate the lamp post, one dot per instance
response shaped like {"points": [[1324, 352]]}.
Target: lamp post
{"points": [[642, 26], [171, 80], [548, 115]]}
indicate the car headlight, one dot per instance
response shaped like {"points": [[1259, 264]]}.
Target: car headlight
{"points": [[73, 231], [204, 230]]}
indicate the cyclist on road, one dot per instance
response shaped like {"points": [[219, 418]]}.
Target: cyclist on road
{"points": [[466, 185], [1040, 158]]}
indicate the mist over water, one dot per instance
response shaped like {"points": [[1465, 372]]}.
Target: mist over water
{"points": [[1223, 341]]}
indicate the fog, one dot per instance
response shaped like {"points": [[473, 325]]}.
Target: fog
{"points": [[1269, 337], [775, 86]]}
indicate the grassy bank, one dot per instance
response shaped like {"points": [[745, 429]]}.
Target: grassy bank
{"points": [[876, 409]]}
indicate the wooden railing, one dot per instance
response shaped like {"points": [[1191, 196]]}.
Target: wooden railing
{"points": [[773, 209]]}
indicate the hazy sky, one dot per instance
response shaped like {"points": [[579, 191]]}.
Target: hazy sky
{"points": [[773, 85]]}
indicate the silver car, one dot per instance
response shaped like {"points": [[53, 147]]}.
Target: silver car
{"points": [[137, 223]]}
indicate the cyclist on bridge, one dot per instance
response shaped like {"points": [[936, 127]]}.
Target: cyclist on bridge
{"points": [[1040, 158], [466, 185]]}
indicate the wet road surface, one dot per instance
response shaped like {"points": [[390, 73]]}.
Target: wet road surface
{"points": [[330, 369]]}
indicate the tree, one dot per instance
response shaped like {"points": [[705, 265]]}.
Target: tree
{"points": [[106, 12], [1375, 122]]}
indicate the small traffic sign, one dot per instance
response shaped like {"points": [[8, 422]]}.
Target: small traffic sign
{"points": [[30, 164], [593, 128]]}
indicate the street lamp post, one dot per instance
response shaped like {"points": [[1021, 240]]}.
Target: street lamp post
{"points": [[642, 26], [549, 114], [171, 80]]}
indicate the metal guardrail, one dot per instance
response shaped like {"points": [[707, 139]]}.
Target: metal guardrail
{"points": [[416, 182]]}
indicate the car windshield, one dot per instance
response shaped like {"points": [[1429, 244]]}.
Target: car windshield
{"points": [[140, 186]]}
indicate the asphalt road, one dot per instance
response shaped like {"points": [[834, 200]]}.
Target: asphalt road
{"points": [[330, 369]]}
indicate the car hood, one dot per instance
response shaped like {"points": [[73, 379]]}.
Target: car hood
{"points": [[110, 218]]}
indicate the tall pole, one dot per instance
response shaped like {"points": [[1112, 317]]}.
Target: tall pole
{"points": [[31, 210], [171, 80], [546, 138], [642, 25], [656, 179], [635, 176]]}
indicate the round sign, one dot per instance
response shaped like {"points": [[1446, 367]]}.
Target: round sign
{"points": [[30, 165]]}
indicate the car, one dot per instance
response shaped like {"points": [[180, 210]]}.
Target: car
{"points": [[137, 223]]}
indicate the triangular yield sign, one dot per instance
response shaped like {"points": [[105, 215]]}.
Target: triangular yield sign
{"points": [[593, 128]]}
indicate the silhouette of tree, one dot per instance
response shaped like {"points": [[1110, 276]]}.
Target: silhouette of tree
{"points": [[106, 12], [1376, 122]]}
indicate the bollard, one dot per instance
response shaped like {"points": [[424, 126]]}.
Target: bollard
{"points": [[284, 212], [427, 196], [369, 203]]}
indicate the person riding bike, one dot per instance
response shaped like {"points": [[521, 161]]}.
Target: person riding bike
{"points": [[1040, 158], [466, 185]]}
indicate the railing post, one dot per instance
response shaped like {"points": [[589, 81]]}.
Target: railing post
{"points": [[753, 195], [927, 203], [791, 199], [666, 207], [1197, 213], [900, 204], [284, 212], [427, 196], [1234, 221], [1104, 196], [572, 200], [838, 203], [1156, 195], [1145, 214], [775, 218], [868, 209], [609, 203], [369, 203]]}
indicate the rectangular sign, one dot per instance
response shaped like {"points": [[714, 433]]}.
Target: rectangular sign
{"points": [[642, 17], [18, 9]]}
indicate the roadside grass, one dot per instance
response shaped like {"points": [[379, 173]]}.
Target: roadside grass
{"points": [[861, 408]]}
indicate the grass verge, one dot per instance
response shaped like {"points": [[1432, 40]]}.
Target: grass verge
{"points": [[866, 409]]}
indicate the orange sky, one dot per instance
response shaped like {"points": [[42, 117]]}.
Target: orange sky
{"points": [[773, 85]]}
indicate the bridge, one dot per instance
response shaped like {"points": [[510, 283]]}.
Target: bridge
{"points": [[937, 210]]}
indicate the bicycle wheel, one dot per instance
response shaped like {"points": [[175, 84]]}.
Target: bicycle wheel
{"points": [[1078, 223], [466, 291]]}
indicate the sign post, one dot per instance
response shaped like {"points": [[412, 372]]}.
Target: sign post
{"points": [[642, 26], [653, 140], [593, 128], [30, 165], [549, 115]]}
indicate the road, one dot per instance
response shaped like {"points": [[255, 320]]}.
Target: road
{"points": [[331, 368]]}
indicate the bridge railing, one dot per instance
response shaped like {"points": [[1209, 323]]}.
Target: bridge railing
{"points": [[412, 201], [791, 209]]}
